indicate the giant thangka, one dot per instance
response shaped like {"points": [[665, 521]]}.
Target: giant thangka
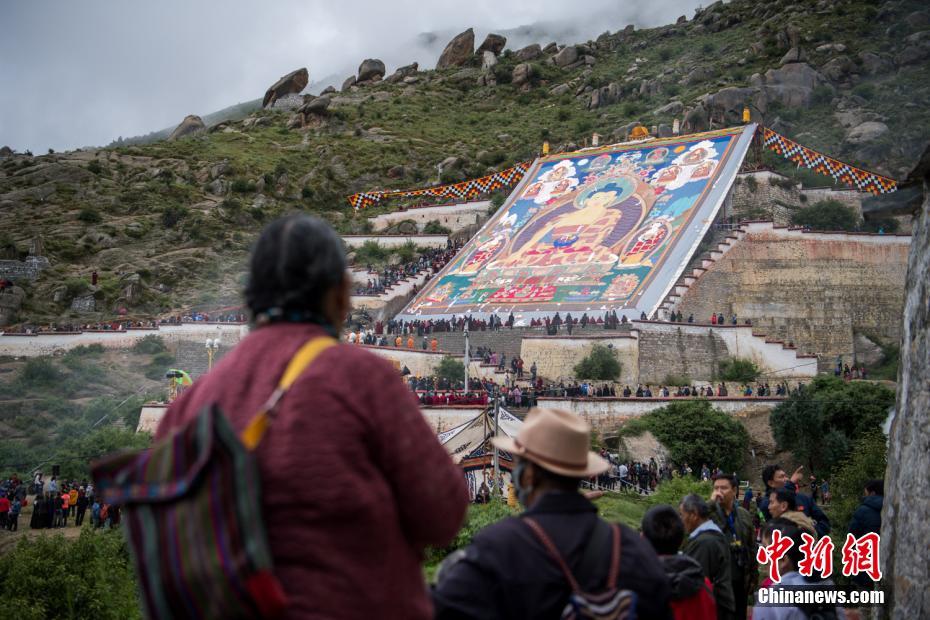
{"points": [[592, 231]]}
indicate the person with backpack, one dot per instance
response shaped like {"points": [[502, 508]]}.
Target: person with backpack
{"points": [[375, 487], [692, 594], [558, 555], [708, 545]]}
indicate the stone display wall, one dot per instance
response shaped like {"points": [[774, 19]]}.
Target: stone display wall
{"points": [[556, 356], [675, 351], [453, 217], [762, 195], [419, 362], [22, 270], [768, 195], [812, 289]]}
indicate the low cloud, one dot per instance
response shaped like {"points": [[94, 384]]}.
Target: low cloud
{"points": [[83, 73]]}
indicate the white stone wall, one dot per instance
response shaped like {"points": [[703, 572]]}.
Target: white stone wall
{"points": [[395, 241], [52, 344], [454, 217], [422, 363], [605, 414]]}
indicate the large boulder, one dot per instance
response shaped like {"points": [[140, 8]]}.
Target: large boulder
{"points": [[839, 69], [371, 69], [866, 132], [6, 151], [403, 72], [493, 43], [795, 54], [348, 83], [605, 95], [873, 64], [458, 51], [522, 74], [190, 125], [292, 83], [317, 106], [917, 49], [568, 55], [488, 59], [530, 52], [729, 102], [793, 85]]}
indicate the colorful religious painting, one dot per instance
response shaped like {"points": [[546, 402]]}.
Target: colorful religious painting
{"points": [[608, 228]]}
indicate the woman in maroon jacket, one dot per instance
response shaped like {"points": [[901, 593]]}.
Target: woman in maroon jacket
{"points": [[354, 482]]}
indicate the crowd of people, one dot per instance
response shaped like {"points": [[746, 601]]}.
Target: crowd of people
{"points": [[432, 260], [54, 502]]}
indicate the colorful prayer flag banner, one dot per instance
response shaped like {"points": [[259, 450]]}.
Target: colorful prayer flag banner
{"points": [[862, 180], [465, 190]]}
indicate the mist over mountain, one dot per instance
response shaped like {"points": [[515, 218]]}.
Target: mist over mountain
{"points": [[155, 63]]}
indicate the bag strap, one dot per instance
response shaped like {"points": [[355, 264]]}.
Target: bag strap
{"points": [[594, 543], [258, 425]]}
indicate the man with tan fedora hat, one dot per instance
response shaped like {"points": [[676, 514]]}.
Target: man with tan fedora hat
{"points": [[512, 569]]}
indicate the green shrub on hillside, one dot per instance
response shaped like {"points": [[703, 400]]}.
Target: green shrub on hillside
{"points": [[433, 227], [826, 215], [149, 345], [451, 369], [53, 577], [694, 433], [159, 365], [739, 370], [601, 364], [39, 372], [820, 424], [90, 215]]}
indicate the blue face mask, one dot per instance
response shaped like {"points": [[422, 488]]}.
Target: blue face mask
{"points": [[523, 492]]}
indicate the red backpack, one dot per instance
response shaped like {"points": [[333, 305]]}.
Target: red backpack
{"points": [[701, 606]]}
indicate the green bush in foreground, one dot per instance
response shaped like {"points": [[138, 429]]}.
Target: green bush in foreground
{"points": [[51, 577]]}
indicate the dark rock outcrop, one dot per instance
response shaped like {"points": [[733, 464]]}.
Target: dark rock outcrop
{"points": [[190, 125], [493, 43], [291, 84], [458, 51], [370, 70], [403, 72], [530, 52]]}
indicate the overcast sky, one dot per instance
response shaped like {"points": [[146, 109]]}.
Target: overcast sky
{"points": [[83, 72]]}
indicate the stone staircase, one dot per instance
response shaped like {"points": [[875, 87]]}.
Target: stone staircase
{"points": [[706, 261]]}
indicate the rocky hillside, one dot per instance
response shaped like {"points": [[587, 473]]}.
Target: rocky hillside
{"points": [[167, 225]]}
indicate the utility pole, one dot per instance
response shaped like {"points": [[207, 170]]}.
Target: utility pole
{"points": [[496, 457], [466, 356]]}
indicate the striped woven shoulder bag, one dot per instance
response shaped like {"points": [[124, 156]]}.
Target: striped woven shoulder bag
{"points": [[198, 541]]}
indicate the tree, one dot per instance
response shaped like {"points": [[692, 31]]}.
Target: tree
{"points": [[866, 461], [739, 370], [433, 227], [601, 364], [451, 369], [820, 424], [695, 433], [826, 215], [53, 577]]}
